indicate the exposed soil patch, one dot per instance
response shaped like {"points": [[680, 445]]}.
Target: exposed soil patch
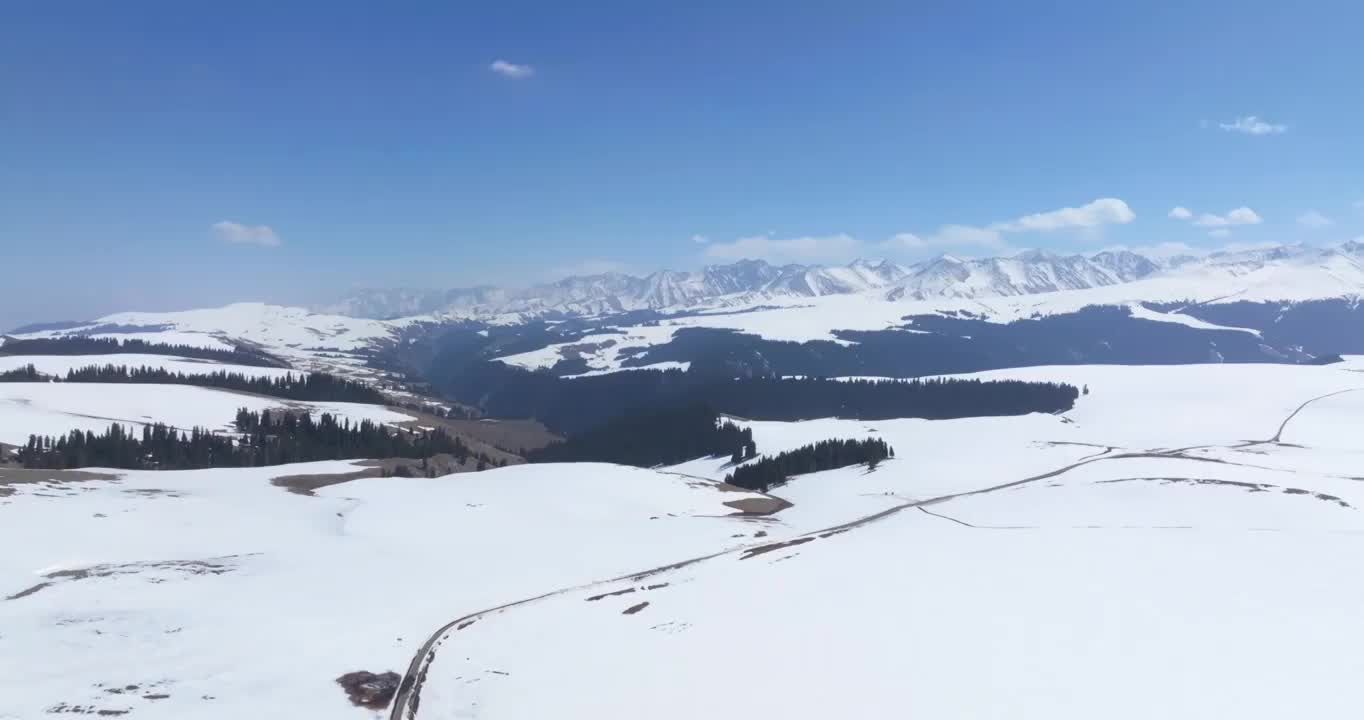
{"points": [[368, 690], [766, 505], [436, 466], [306, 484], [11, 476], [498, 439]]}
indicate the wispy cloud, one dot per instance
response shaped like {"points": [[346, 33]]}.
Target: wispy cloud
{"points": [[700, 239], [808, 249], [1313, 220], [1088, 217], [1239, 216], [1179, 212], [992, 238], [239, 234], [511, 69], [1104, 211], [1253, 125], [947, 236]]}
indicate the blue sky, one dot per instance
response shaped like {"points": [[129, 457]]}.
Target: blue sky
{"points": [[168, 155]]}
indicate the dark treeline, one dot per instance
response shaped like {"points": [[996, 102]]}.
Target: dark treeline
{"points": [[574, 405], [266, 439], [772, 471], [27, 373], [75, 345], [646, 438], [311, 386], [933, 399]]}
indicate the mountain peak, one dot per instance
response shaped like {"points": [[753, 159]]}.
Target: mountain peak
{"points": [[748, 281]]}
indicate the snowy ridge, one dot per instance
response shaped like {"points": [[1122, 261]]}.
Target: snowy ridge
{"points": [[945, 278], [304, 339]]}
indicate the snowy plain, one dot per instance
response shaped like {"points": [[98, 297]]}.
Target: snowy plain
{"points": [[59, 365], [45, 408], [1153, 552]]}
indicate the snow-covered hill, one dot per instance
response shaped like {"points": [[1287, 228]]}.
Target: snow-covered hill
{"points": [[306, 340], [1036, 567], [55, 409], [1174, 546]]}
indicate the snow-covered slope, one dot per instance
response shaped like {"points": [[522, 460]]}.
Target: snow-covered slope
{"points": [[1175, 546], [215, 594], [60, 365], [306, 340], [58, 408], [1039, 567]]}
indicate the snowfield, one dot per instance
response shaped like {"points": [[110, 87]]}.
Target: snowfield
{"points": [[59, 365], [1184, 543], [306, 340], [228, 595], [58, 408]]}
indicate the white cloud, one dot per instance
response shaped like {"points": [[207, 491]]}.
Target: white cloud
{"points": [[903, 241], [967, 235], [1104, 211], [826, 248], [1313, 220], [700, 239], [992, 237], [239, 234], [1179, 212], [511, 69], [1239, 216], [1252, 125], [1359, 204], [1219, 232], [947, 236]]}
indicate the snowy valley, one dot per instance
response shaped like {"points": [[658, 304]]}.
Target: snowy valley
{"points": [[1188, 522]]}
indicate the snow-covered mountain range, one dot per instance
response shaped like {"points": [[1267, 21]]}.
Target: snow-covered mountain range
{"points": [[754, 281]]}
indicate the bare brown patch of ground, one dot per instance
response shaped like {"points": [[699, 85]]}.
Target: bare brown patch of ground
{"points": [[765, 505], [507, 437], [436, 466], [11, 476], [306, 484]]}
